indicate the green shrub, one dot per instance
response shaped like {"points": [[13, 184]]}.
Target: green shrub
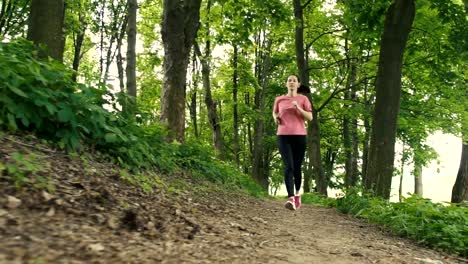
{"points": [[39, 96], [318, 199], [200, 160], [433, 224]]}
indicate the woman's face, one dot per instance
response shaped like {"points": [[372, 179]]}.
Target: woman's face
{"points": [[292, 83]]}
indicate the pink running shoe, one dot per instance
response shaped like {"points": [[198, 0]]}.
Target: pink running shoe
{"points": [[297, 201], [290, 203]]}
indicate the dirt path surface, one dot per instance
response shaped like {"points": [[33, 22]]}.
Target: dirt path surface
{"points": [[93, 217]]}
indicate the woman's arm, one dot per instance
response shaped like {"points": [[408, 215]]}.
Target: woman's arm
{"points": [[276, 118], [307, 115]]}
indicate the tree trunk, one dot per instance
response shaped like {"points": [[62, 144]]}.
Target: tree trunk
{"points": [[367, 127], [77, 55], [248, 135], [116, 24], [131, 52], [315, 155], [313, 130], [355, 146], [46, 26], [349, 127], [259, 167], [397, 26], [101, 37], [120, 69], [418, 182], [400, 187], [5, 13], [193, 97], [210, 104], [78, 44], [213, 117], [460, 188], [235, 85], [329, 163], [299, 42], [354, 129], [179, 28], [307, 171], [365, 150]]}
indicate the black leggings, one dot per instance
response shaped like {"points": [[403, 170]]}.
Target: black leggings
{"points": [[292, 149]]}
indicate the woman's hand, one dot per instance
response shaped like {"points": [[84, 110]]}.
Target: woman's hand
{"points": [[295, 104], [277, 119], [305, 114]]}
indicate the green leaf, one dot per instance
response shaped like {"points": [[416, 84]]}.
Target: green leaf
{"points": [[110, 137], [50, 107], [25, 121], [17, 91], [11, 122], [65, 115]]}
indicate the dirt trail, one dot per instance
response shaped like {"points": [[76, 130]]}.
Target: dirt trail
{"points": [[254, 232], [265, 232], [93, 217]]}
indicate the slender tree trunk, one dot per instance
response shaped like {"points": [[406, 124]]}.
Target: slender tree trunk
{"points": [[400, 189], [78, 46], [245, 154], [193, 97], [349, 128], [367, 126], [259, 167], [397, 26], [213, 117], [117, 23], [313, 130], [120, 69], [299, 42], [179, 27], [315, 156], [367, 132], [304, 79], [13, 17], [329, 163], [4, 12], [235, 85], [418, 182], [355, 143], [460, 188], [46, 26], [354, 127], [101, 38], [248, 139], [109, 58], [307, 169], [131, 52]]}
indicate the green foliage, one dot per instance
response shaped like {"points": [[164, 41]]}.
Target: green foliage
{"points": [[201, 162], [440, 226], [25, 170], [40, 97], [318, 199]]}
